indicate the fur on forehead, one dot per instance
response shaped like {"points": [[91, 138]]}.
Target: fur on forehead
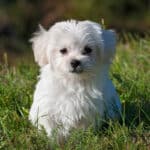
{"points": [[77, 26], [81, 29]]}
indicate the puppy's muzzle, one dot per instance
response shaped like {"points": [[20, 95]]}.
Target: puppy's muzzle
{"points": [[76, 66]]}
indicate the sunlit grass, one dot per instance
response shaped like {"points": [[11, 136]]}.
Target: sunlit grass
{"points": [[130, 74]]}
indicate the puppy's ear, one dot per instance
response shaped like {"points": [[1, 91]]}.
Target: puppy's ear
{"points": [[39, 45], [109, 40]]}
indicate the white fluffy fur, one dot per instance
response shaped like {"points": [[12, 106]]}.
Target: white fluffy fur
{"points": [[64, 100]]}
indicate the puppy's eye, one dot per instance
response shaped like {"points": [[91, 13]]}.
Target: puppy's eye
{"points": [[63, 51], [87, 50]]}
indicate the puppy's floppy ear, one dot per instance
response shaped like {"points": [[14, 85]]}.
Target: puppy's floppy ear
{"points": [[109, 41], [39, 45]]}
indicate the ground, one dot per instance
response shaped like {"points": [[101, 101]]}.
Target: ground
{"points": [[130, 74]]}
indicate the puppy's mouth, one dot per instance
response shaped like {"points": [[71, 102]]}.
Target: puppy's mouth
{"points": [[77, 70]]}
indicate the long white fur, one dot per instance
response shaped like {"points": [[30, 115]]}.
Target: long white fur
{"points": [[64, 100]]}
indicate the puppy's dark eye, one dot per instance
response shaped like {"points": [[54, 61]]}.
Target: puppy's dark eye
{"points": [[63, 51], [87, 50]]}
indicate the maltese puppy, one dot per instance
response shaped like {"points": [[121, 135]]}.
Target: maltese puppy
{"points": [[74, 89]]}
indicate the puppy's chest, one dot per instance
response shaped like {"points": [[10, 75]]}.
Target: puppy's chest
{"points": [[77, 103]]}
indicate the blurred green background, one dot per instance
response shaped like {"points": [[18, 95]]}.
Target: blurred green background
{"points": [[20, 18]]}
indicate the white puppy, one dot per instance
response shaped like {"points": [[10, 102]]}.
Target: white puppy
{"points": [[74, 89]]}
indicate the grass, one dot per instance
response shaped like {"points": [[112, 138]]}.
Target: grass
{"points": [[130, 74]]}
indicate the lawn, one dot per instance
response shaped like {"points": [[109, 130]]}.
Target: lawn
{"points": [[131, 76]]}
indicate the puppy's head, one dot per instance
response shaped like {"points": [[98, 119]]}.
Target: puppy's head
{"points": [[74, 48]]}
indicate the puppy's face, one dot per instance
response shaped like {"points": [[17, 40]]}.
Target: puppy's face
{"points": [[73, 52], [73, 48]]}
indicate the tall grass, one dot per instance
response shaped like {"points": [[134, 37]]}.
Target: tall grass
{"points": [[130, 74]]}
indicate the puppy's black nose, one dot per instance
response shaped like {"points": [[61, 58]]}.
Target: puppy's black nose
{"points": [[75, 63]]}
